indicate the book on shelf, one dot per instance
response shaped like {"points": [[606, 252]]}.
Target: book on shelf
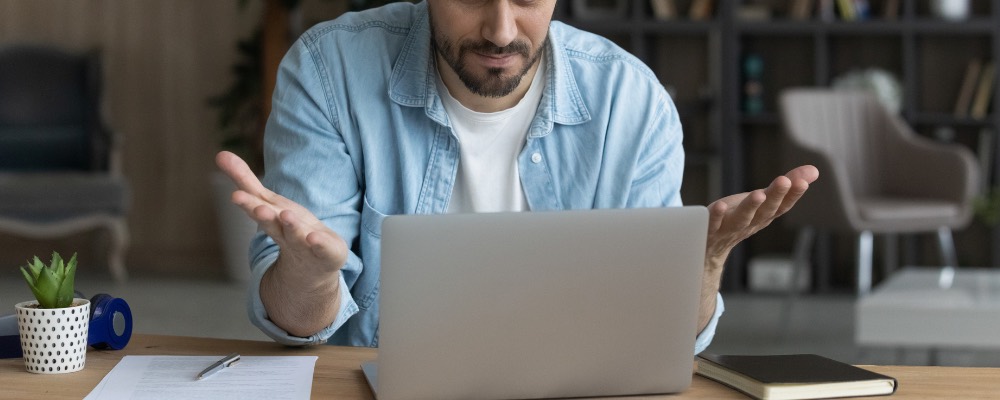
{"points": [[968, 88], [984, 91], [854, 10], [846, 10], [700, 10], [826, 10], [890, 9], [793, 376], [753, 12], [664, 9], [800, 9]]}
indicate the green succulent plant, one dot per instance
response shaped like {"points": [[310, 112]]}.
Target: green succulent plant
{"points": [[52, 284]]}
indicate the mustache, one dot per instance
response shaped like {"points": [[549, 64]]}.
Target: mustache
{"points": [[486, 47]]}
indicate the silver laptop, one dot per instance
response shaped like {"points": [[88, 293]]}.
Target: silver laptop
{"points": [[538, 304]]}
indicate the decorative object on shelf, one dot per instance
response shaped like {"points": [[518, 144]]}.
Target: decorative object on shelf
{"points": [[600, 9], [664, 9], [950, 10], [862, 10], [987, 207], [54, 326], [753, 87], [882, 83], [985, 152]]}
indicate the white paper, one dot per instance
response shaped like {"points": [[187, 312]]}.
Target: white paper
{"points": [[175, 377]]}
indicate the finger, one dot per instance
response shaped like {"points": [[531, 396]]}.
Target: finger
{"points": [[295, 231], [267, 220], [743, 215], [328, 246], [807, 173], [775, 195], [241, 174], [716, 214], [248, 203], [795, 193]]}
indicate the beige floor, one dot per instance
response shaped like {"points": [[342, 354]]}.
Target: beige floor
{"points": [[822, 324]]}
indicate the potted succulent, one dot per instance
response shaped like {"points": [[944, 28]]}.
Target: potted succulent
{"points": [[54, 326]]}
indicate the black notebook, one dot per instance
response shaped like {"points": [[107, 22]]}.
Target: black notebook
{"points": [[793, 376]]}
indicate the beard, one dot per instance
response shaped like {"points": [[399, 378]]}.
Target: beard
{"points": [[495, 82]]}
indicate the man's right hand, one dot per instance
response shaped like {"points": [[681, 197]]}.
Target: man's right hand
{"points": [[300, 292]]}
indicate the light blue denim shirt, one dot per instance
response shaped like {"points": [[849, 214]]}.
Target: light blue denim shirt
{"points": [[358, 132]]}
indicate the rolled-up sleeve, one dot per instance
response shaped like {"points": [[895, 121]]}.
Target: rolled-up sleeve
{"points": [[258, 315], [705, 337]]}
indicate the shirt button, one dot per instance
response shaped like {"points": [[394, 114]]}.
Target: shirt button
{"points": [[536, 158]]}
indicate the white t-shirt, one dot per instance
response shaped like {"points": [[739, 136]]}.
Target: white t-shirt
{"points": [[489, 143]]}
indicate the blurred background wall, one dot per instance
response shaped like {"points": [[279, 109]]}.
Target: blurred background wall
{"points": [[162, 60]]}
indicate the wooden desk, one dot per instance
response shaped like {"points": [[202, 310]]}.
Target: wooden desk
{"points": [[338, 373]]}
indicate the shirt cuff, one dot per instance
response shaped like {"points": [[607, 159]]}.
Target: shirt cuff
{"points": [[258, 315], [705, 337]]}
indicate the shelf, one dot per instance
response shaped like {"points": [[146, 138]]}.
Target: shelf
{"points": [[729, 151], [978, 26], [951, 120], [761, 119], [646, 26], [789, 27]]}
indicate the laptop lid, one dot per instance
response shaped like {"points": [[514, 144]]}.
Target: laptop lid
{"points": [[539, 304]]}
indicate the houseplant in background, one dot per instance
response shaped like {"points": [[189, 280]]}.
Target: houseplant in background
{"points": [[54, 326], [243, 109]]}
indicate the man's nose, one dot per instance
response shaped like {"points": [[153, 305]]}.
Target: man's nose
{"points": [[500, 28]]}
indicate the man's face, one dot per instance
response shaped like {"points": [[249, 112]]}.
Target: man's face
{"points": [[490, 44]]}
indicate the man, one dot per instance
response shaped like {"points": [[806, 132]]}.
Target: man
{"points": [[455, 106]]}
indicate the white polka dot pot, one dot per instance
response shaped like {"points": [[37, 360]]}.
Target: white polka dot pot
{"points": [[54, 340]]}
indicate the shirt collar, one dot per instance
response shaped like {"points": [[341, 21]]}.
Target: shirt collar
{"points": [[412, 82]]}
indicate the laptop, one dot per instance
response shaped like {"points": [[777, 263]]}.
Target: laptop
{"points": [[538, 304]]}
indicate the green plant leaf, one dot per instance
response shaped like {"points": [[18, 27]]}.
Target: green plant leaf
{"points": [[51, 284], [36, 267], [29, 278], [58, 267], [64, 297], [48, 287]]}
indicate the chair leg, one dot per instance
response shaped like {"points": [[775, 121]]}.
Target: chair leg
{"points": [[116, 255], [803, 247], [866, 242], [890, 253], [948, 257]]}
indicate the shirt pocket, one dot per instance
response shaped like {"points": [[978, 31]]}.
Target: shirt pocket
{"points": [[367, 287]]}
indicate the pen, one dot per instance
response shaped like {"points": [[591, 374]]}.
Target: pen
{"points": [[220, 365]]}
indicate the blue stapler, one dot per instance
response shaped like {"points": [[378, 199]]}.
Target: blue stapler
{"points": [[110, 326]]}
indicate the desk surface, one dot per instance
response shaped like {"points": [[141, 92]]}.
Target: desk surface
{"points": [[338, 373]]}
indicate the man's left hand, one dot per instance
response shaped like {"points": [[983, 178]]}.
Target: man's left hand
{"points": [[735, 218]]}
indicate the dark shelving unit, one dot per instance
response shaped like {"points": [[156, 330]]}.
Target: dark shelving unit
{"points": [[731, 151]]}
